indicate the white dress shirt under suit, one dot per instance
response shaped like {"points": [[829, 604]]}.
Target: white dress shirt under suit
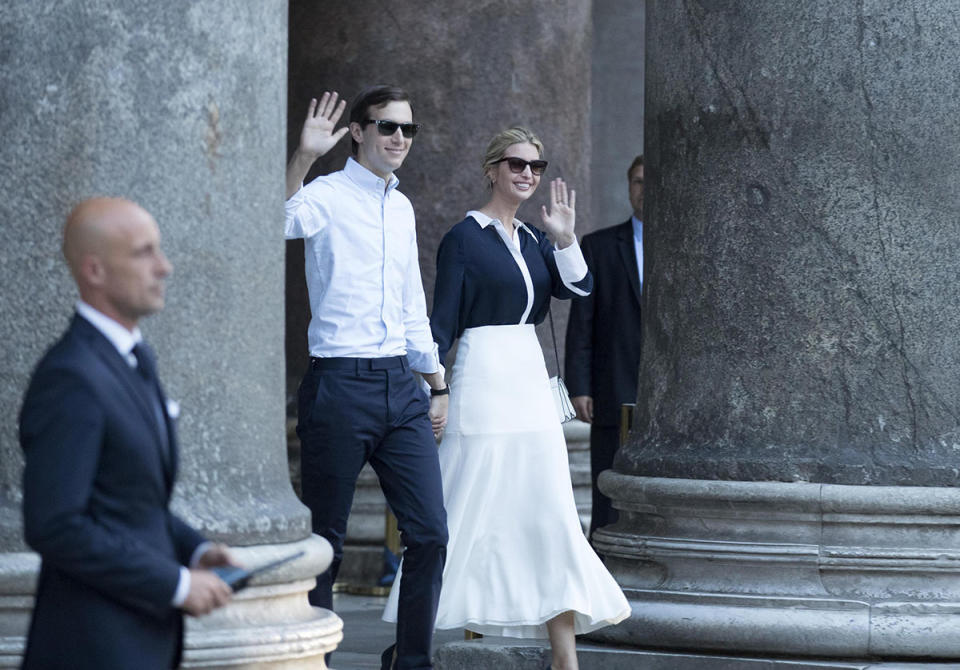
{"points": [[638, 245]]}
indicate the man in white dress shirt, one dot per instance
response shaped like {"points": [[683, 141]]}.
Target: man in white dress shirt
{"points": [[368, 333]]}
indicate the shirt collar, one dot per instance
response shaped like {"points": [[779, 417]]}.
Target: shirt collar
{"points": [[366, 180], [485, 221], [637, 227], [119, 337]]}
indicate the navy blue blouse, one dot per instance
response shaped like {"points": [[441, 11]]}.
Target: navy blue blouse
{"points": [[479, 283]]}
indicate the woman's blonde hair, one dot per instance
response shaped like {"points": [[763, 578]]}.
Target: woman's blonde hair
{"points": [[504, 140]]}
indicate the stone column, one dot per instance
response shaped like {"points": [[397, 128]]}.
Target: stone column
{"points": [[181, 108], [790, 487], [616, 108]]}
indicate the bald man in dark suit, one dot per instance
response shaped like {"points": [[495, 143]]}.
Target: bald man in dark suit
{"points": [[603, 338], [101, 457]]}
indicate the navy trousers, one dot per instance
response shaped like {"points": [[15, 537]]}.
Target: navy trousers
{"points": [[604, 442], [354, 410]]}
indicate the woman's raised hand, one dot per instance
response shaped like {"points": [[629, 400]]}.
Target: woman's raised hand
{"points": [[318, 136], [559, 221]]}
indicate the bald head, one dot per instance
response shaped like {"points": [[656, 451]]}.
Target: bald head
{"points": [[112, 247], [89, 226]]}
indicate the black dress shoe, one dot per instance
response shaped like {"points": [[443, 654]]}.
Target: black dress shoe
{"points": [[386, 658]]}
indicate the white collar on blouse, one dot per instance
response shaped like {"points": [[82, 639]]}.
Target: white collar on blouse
{"points": [[485, 221]]}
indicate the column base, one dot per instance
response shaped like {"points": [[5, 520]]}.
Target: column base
{"points": [[270, 624], [815, 570], [18, 582], [505, 654]]}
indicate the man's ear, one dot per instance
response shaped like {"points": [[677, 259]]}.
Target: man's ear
{"points": [[92, 270], [356, 132]]}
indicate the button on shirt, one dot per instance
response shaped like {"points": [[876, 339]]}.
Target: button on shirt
{"points": [[362, 268]]}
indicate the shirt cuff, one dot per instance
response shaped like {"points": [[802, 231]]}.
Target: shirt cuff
{"points": [[199, 552], [425, 362], [183, 584], [183, 588], [570, 263]]}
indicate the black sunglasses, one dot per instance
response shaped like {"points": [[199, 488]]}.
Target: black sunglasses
{"points": [[518, 165], [388, 128]]}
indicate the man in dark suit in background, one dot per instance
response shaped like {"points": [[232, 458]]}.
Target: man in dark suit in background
{"points": [[101, 458], [603, 338]]}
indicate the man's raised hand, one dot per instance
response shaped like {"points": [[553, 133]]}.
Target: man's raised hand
{"points": [[316, 138], [318, 135]]}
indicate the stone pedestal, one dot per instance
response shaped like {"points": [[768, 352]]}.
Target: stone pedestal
{"points": [[794, 569], [182, 109], [269, 624], [789, 488]]}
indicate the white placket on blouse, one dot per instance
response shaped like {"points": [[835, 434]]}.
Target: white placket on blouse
{"points": [[513, 245]]}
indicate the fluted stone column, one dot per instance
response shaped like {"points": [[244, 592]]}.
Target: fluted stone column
{"points": [[180, 107], [790, 487]]}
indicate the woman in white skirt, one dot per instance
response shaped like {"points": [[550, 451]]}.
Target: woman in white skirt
{"points": [[518, 563]]}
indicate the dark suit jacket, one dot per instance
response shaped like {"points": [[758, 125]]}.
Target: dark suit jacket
{"points": [[603, 333], [96, 489]]}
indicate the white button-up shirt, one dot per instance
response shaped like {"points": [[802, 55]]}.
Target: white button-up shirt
{"points": [[362, 268]]}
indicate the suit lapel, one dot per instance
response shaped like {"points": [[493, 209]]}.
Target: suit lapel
{"points": [[125, 375], [628, 254]]}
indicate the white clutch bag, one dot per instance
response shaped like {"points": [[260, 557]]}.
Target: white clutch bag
{"points": [[562, 399]]}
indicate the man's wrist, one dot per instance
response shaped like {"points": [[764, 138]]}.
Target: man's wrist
{"points": [[305, 157], [438, 392]]}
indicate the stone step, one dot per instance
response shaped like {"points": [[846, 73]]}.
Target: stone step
{"points": [[509, 654]]}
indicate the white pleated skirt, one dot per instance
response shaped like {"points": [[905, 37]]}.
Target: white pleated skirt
{"points": [[517, 555]]}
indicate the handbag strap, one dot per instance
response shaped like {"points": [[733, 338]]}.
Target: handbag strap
{"points": [[553, 334]]}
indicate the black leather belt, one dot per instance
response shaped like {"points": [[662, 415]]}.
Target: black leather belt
{"points": [[359, 364]]}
